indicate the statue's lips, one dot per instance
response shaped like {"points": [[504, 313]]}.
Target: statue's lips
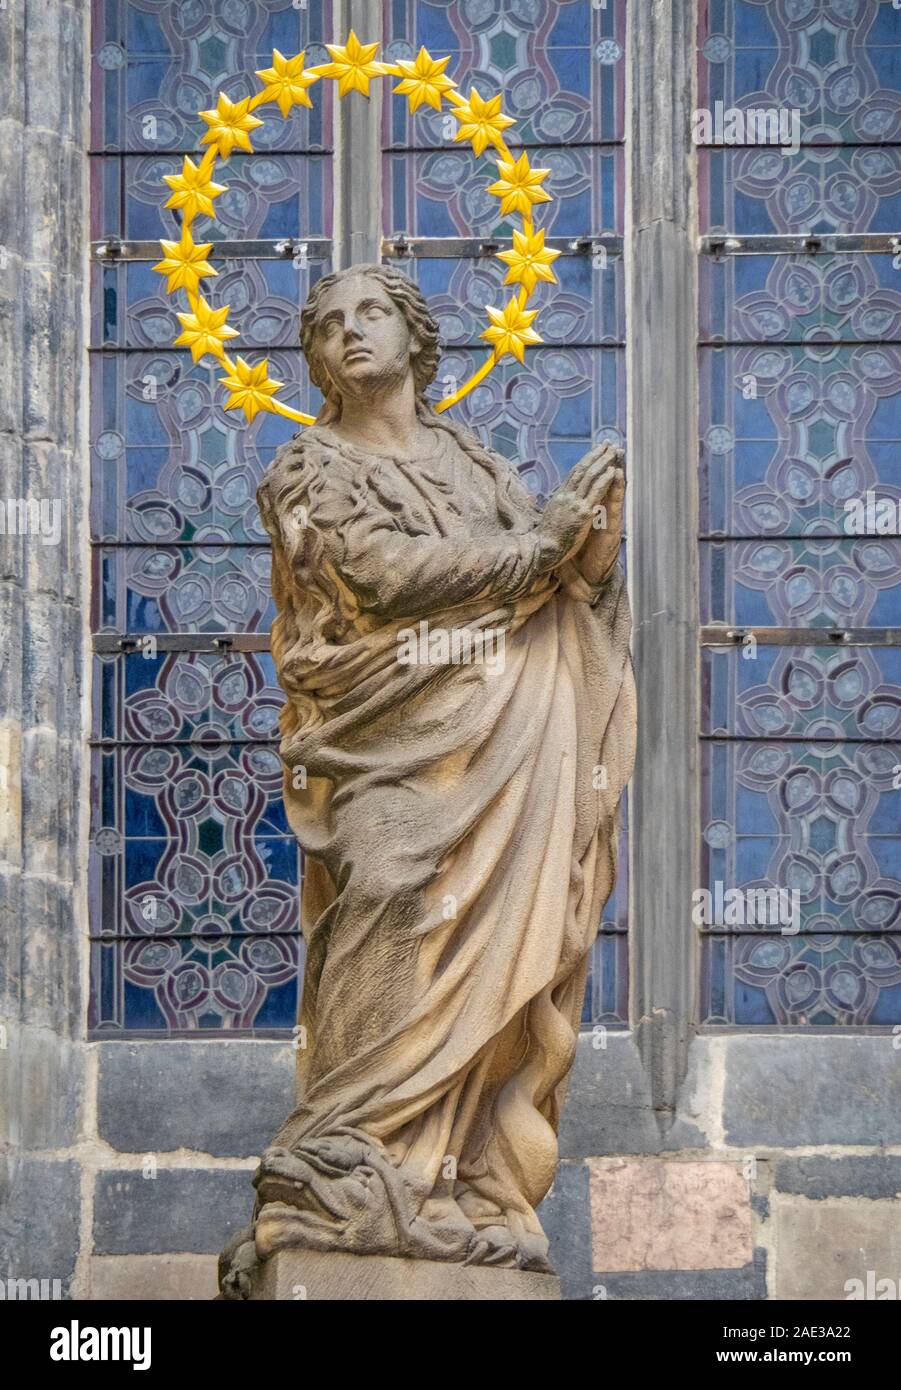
{"points": [[354, 353]]}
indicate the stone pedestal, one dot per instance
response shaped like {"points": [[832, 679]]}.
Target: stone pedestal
{"points": [[311, 1274]]}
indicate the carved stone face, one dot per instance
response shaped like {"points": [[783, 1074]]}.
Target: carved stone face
{"points": [[361, 337]]}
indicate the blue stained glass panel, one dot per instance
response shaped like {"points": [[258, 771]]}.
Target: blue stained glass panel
{"points": [[269, 196], [819, 819], [195, 877], [801, 582], [444, 193], [820, 980], [132, 309], [170, 462], [140, 589], [194, 873], [585, 306], [559, 64], [837, 64], [769, 299], [157, 63], [822, 188], [802, 692], [173, 697], [793, 438], [800, 427], [607, 991]]}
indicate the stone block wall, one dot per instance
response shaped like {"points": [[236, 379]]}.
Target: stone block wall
{"points": [[780, 1178]]}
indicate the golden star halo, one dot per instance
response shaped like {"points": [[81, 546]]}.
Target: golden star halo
{"points": [[353, 66]]}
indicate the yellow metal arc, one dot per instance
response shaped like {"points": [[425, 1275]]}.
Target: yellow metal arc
{"points": [[267, 402]]}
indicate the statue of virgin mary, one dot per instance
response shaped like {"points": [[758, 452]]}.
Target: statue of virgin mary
{"points": [[457, 810]]}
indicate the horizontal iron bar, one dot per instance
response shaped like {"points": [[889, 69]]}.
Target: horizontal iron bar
{"points": [[547, 145], [292, 934], [401, 247], [826, 342], [198, 154], [784, 146], [711, 635], [800, 737], [810, 244], [110, 348], [751, 929], [112, 643], [807, 1030], [114, 1032], [719, 538], [112, 251], [200, 742], [184, 545], [732, 635]]}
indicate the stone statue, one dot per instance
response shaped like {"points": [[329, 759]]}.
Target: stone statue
{"points": [[458, 729]]}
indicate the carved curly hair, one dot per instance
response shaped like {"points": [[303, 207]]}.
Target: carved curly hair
{"points": [[409, 299]]}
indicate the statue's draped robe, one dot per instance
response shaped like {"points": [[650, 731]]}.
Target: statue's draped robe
{"points": [[459, 823]]}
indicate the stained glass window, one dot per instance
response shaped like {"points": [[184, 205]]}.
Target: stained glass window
{"points": [[194, 874], [193, 871], [560, 65], [800, 381]]}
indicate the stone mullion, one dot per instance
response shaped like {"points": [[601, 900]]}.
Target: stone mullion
{"points": [[662, 331], [358, 147]]}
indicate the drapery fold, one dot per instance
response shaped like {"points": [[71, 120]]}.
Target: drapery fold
{"points": [[460, 827]]}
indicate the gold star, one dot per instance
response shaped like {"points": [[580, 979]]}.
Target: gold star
{"points": [[250, 387], [510, 330], [205, 331], [529, 261], [353, 66], [423, 80], [480, 121], [229, 126], [193, 190], [518, 186], [286, 82], [184, 263]]}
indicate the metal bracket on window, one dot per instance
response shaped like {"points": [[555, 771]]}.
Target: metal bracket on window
{"points": [[721, 635], [223, 643], [593, 245], [400, 246], [293, 249], [719, 245], [112, 251]]}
